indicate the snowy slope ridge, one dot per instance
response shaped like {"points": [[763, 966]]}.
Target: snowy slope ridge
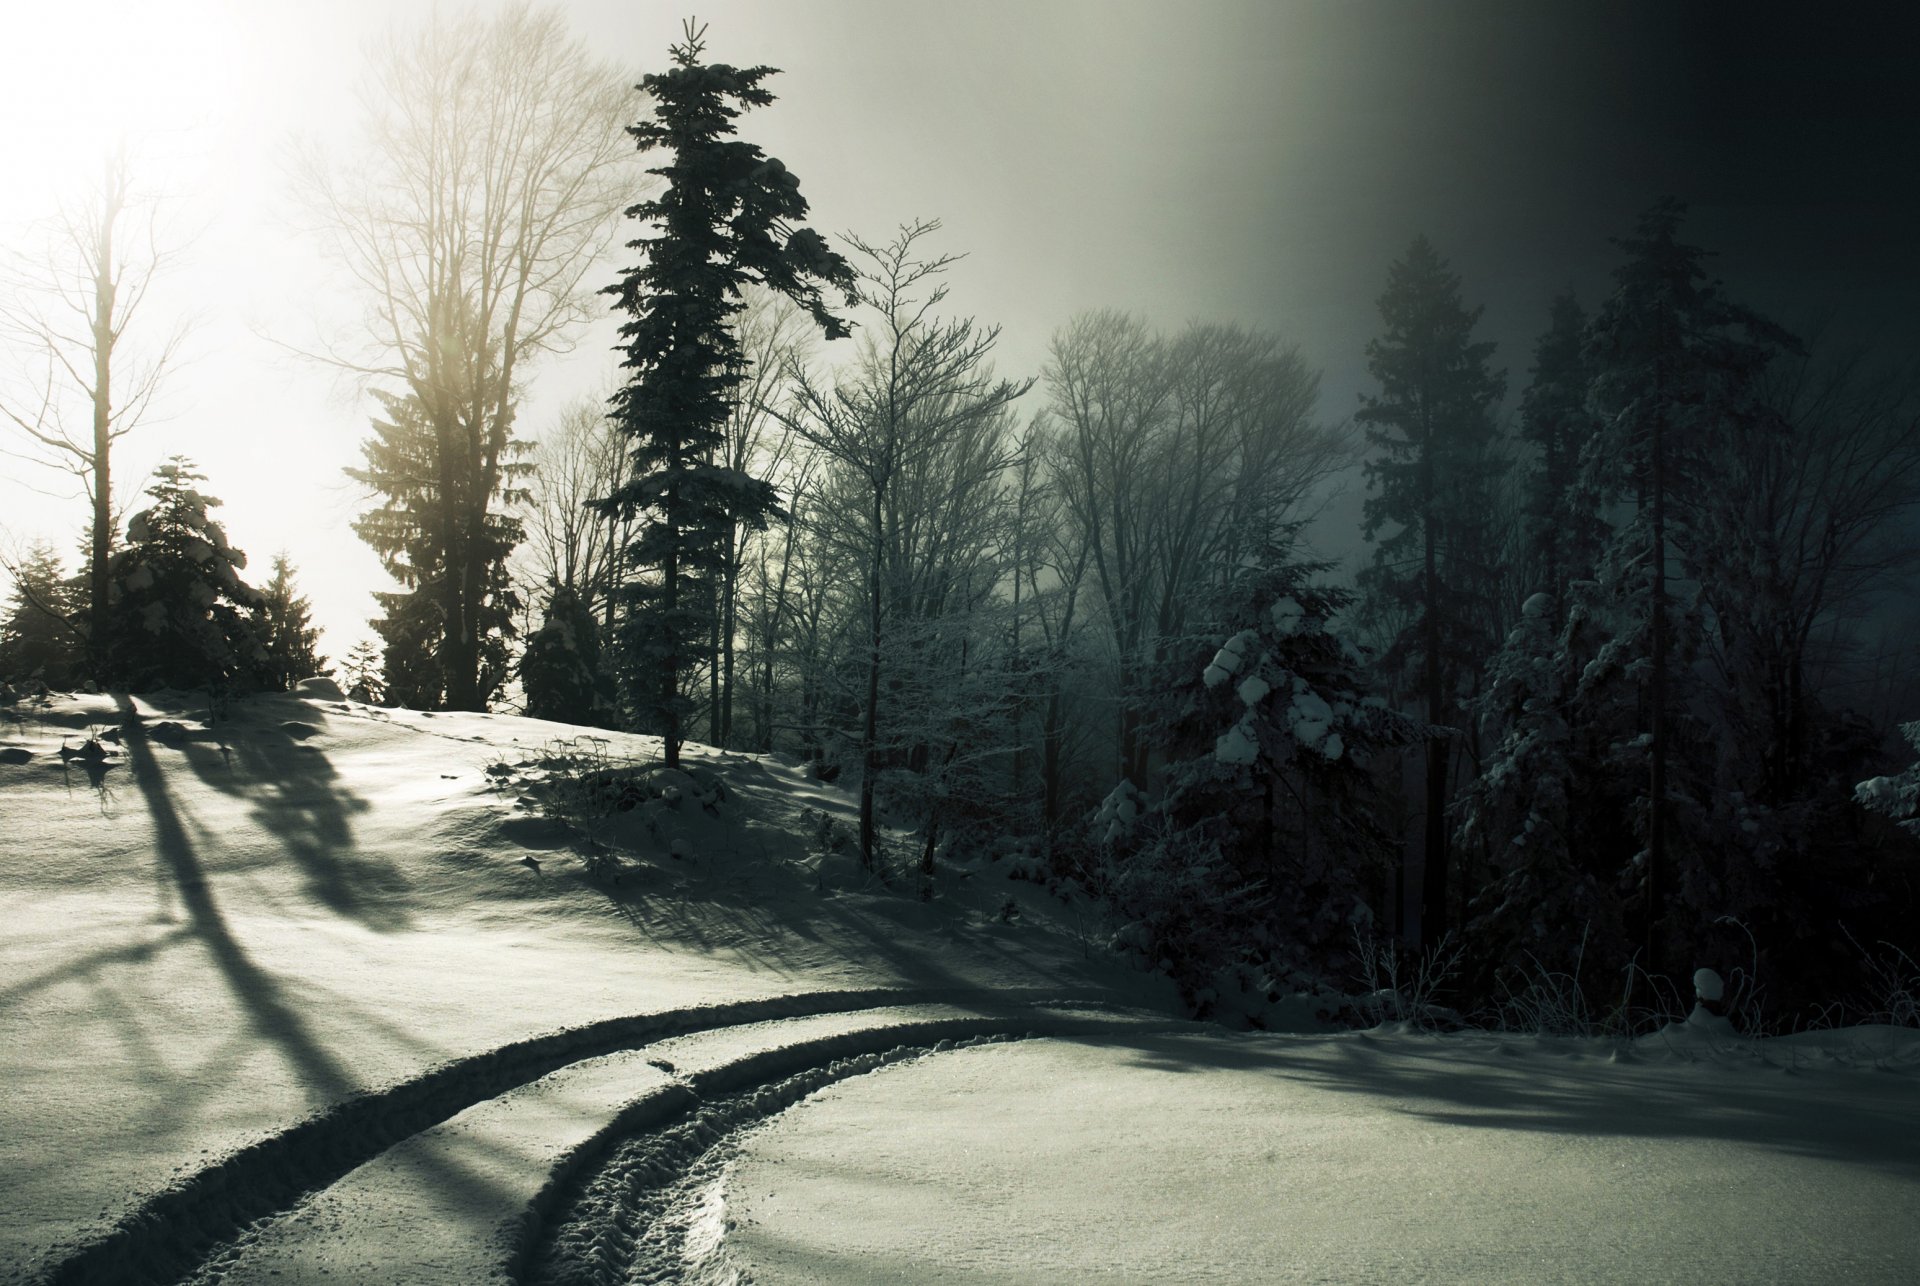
{"points": [[246, 957]]}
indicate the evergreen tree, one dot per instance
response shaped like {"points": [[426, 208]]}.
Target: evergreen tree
{"points": [[410, 673], [1268, 836], [1433, 482], [41, 636], [363, 673], [727, 216], [180, 616], [1563, 534], [285, 623], [447, 634], [1675, 375], [1551, 809], [560, 670]]}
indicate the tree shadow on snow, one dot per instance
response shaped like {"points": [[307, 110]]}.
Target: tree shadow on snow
{"points": [[269, 1010], [297, 798], [771, 917], [1855, 1116]]}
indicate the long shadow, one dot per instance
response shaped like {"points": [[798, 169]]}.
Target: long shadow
{"points": [[298, 799], [268, 1009], [84, 966], [1849, 1116], [787, 934]]}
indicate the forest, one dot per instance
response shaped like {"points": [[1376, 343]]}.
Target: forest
{"points": [[1610, 697]]}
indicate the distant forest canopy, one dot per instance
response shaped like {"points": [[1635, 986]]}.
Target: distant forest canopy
{"points": [[1596, 709]]}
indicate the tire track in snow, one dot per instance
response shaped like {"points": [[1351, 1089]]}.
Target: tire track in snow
{"points": [[653, 1208], [173, 1232]]}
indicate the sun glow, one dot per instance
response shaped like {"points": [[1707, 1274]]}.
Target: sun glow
{"points": [[82, 78]]}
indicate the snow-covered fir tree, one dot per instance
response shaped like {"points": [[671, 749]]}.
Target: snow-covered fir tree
{"points": [[1267, 842], [286, 625], [42, 633], [180, 615]]}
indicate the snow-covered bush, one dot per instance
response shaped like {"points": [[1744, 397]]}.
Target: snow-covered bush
{"points": [[1898, 796]]}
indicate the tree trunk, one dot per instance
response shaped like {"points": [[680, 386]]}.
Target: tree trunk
{"points": [[668, 677], [1433, 908], [102, 535], [870, 727], [729, 619], [1657, 804]]}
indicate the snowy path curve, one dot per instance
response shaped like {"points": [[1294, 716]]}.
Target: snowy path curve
{"points": [[229, 1221]]}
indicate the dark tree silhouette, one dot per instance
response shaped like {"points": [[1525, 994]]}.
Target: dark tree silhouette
{"points": [[179, 616], [1433, 424], [727, 216]]}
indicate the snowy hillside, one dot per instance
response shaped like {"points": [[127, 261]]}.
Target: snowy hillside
{"points": [[316, 993]]}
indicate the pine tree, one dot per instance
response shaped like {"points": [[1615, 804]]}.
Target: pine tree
{"points": [[42, 635], [727, 216], [286, 624], [447, 633], [1675, 366], [1268, 835], [1433, 480], [1563, 534], [560, 670], [363, 673], [180, 616]]}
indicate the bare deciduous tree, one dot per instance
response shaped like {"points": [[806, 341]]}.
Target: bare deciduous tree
{"points": [[919, 421], [494, 164], [85, 383], [1175, 460]]}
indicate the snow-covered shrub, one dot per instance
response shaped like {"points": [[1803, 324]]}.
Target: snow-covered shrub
{"points": [[1184, 912], [179, 616], [1898, 796]]}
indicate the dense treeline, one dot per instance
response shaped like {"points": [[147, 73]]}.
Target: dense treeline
{"points": [[1584, 713]]}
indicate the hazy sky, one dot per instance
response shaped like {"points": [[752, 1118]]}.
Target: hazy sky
{"points": [[1260, 162]]}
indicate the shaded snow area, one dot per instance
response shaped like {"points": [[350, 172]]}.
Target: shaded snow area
{"points": [[1364, 1157], [321, 992]]}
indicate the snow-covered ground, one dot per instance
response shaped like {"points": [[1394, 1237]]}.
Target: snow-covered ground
{"points": [[1377, 1157], [312, 993]]}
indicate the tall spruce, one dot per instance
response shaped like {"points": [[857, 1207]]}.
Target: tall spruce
{"points": [[1432, 482], [1563, 533], [728, 216], [1675, 375], [450, 559]]}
